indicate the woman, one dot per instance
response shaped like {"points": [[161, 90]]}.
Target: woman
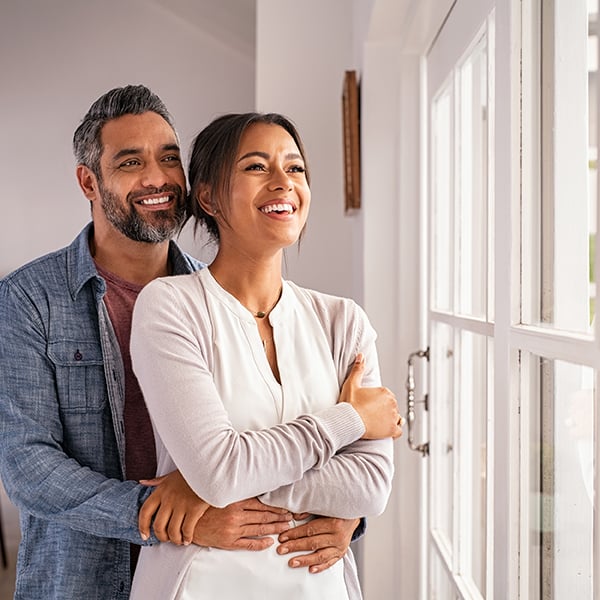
{"points": [[242, 371]]}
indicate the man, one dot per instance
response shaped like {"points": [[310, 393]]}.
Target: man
{"points": [[75, 438]]}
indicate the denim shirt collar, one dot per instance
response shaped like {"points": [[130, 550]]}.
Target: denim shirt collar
{"points": [[81, 267]]}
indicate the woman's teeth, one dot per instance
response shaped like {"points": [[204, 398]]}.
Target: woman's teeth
{"points": [[288, 208]]}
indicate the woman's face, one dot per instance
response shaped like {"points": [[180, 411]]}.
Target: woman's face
{"points": [[270, 197]]}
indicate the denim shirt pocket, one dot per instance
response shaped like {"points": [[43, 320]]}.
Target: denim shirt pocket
{"points": [[80, 379]]}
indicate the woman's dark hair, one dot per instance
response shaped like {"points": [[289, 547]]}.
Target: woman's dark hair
{"points": [[213, 156]]}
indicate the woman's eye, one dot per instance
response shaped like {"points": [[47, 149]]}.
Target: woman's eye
{"points": [[297, 169], [255, 167], [173, 158]]}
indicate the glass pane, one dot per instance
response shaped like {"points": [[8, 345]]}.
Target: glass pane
{"points": [[561, 280], [475, 381], [441, 193], [442, 431], [473, 239], [561, 401]]}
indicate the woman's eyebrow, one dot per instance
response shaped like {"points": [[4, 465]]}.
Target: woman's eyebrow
{"points": [[265, 155]]}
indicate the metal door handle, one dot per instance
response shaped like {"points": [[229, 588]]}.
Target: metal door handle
{"points": [[410, 401]]}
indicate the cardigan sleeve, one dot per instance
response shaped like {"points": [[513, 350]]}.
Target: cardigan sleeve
{"points": [[219, 463], [357, 481]]}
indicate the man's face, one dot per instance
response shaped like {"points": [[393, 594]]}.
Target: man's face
{"points": [[142, 184]]}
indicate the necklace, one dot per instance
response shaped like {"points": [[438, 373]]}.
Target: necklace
{"points": [[261, 314]]}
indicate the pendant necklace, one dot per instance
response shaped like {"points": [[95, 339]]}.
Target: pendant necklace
{"points": [[261, 314]]}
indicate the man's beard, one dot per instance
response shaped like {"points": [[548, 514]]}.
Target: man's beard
{"points": [[167, 223]]}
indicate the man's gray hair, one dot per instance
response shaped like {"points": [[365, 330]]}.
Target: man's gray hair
{"points": [[118, 102]]}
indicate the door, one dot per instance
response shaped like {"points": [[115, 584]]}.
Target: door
{"points": [[460, 321], [511, 351]]}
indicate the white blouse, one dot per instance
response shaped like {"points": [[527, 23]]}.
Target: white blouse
{"points": [[221, 417]]}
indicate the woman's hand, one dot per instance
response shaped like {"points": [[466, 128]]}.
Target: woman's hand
{"points": [[174, 507], [376, 406]]}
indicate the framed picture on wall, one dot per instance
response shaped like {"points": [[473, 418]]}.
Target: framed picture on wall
{"points": [[351, 124]]}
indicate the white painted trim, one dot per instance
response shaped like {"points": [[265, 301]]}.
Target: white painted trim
{"points": [[423, 320], [557, 345], [463, 322]]}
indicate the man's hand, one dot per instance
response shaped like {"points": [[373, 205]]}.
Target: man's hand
{"points": [[175, 507], [241, 526], [327, 537]]}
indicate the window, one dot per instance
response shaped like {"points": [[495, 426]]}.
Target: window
{"points": [[554, 340]]}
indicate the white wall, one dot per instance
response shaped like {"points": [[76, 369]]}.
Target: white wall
{"points": [[391, 118], [56, 58]]}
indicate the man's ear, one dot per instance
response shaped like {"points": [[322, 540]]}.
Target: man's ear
{"points": [[87, 182]]}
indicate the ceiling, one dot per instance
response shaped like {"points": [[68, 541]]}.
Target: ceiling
{"points": [[233, 22], [412, 23]]}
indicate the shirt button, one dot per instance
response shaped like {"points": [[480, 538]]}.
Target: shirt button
{"points": [[77, 355]]}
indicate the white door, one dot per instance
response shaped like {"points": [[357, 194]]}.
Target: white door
{"points": [[460, 323], [512, 357]]}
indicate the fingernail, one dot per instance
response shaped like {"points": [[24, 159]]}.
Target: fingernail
{"points": [[314, 569], [283, 538], [295, 563], [145, 537], [282, 550]]}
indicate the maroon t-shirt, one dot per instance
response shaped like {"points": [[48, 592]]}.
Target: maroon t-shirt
{"points": [[140, 452]]}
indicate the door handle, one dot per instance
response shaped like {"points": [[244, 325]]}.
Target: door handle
{"points": [[410, 401]]}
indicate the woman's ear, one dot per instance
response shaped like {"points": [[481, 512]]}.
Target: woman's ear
{"points": [[203, 197]]}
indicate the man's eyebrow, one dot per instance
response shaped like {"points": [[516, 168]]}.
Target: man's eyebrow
{"points": [[132, 151], [290, 156], [126, 152], [171, 147]]}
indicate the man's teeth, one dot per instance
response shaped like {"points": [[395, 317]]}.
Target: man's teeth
{"points": [[288, 208], [160, 200]]}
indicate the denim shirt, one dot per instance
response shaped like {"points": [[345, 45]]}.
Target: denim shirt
{"points": [[62, 443]]}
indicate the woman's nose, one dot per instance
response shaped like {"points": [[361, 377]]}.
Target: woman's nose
{"points": [[280, 180]]}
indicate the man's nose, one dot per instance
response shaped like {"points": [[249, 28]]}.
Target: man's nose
{"points": [[155, 174]]}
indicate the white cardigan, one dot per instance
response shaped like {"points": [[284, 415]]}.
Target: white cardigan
{"points": [[235, 432]]}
